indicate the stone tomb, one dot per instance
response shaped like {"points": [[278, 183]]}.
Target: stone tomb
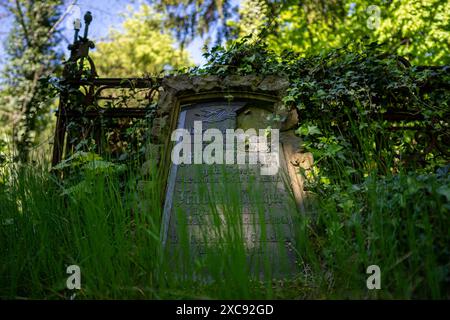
{"points": [[218, 213], [232, 209]]}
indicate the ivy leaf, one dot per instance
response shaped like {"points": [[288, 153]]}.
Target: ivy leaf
{"points": [[288, 99], [332, 150], [313, 130], [445, 191], [308, 130]]}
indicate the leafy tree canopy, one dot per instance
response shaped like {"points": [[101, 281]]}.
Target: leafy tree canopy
{"points": [[142, 47], [189, 18], [417, 30], [31, 55]]}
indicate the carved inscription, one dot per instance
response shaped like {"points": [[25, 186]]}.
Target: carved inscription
{"points": [[210, 204]]}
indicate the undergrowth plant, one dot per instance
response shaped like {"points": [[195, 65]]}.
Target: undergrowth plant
{"points": [[378, 194]]}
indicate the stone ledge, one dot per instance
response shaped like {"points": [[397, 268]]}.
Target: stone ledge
{"points": [[195, 84]]}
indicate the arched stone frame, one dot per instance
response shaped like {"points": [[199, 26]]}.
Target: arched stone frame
{"points": [[177, 92]]}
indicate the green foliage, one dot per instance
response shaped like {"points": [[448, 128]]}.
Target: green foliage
{"points": [[377, 194], [190, 18], [373, 194], [342, 98], [82, 165], [141, 48], [31, 56], [399, 223], [109, 226], [417, 30], [240, 57], [43, 231], [254, 15]]}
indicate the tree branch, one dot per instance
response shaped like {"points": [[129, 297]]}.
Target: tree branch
{"points": [[22, 22]]}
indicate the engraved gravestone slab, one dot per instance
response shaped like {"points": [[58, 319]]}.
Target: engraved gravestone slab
{"points": [[210, 205]]}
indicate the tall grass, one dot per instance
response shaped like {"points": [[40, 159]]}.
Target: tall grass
{"points": [[399, 223], [43, 232], [111, 229], [378, 213]]}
